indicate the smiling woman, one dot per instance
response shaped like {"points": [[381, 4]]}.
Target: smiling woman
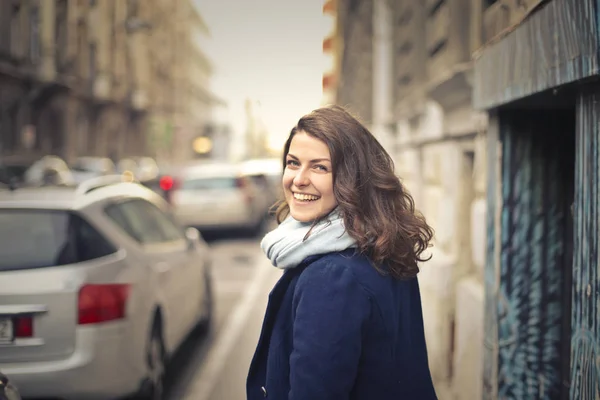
{"points": [[350, 240]]}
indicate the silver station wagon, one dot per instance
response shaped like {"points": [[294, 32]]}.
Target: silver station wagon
{"points": [[98, 286]]}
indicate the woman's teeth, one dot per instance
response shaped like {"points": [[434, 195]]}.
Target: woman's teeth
{"points": [[305, 197]]}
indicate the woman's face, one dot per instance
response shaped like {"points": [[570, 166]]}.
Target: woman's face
{"points": [[308, 178]]}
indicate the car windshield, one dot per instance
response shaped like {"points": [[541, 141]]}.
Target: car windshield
{"points": [[44, 238], [84, 167], [91, 165]]}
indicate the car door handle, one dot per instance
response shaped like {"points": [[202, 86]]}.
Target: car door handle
{"points": [[162, 267]]}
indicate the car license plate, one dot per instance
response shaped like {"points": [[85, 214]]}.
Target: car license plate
{"points": [[6, 330]]}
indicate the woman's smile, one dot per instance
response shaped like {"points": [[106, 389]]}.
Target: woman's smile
{"points": [[305, 198]]}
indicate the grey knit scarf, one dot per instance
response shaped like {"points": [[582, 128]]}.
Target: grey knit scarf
{"points": [[287, 247]]}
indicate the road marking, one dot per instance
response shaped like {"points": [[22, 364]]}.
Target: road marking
{"points": [[209, 373]]}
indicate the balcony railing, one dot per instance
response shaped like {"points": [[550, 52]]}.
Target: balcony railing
{"points": [[438, 27], [503, 14]]}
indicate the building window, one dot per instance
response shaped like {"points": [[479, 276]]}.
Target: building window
{"points": [[436, 7], [405, 80], [353, 6], [438, 48], [34, 34], [81, 48], [405, 17], [60, 33], [132, 8], [405, 48], [92, 61], [16, 35]]}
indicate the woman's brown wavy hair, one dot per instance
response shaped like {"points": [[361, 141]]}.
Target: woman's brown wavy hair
{"points": [[378, 211]]}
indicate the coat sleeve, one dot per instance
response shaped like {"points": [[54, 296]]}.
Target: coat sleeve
{"points": [[331, 309]]}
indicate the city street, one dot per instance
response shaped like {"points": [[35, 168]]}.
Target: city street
{"points": [[459, 137], [215, 367]]}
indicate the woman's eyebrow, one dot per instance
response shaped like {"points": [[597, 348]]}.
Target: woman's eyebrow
{"points": [[312, 161]]}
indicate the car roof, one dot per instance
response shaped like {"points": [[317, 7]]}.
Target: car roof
{"points": [[51, 197], [70, 197], [267, 166], [212, 170]]}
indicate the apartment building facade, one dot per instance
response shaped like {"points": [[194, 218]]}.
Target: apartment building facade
{"points": [[85, 77]]}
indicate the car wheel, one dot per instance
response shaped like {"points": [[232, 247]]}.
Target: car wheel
{"points": [[7, 390], [155, 362]]}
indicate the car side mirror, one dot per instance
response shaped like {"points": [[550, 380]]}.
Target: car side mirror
{"points": [[193, 236]]}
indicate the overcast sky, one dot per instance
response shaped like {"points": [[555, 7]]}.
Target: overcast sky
{"points": [[268, 50]]}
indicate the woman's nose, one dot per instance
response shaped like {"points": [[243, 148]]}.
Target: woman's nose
{"points": [[301, 178]]}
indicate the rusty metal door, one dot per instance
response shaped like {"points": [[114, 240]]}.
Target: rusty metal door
{"points": [[529, 264], [585, 322]]}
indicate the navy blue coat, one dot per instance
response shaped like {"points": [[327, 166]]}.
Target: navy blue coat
{"points": [[337, 329]]}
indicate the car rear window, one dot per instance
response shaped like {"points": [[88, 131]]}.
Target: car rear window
{"points": [[44, 238], [209, 183]]}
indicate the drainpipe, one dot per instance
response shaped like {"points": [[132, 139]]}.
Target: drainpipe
{"points": [[383, 84]]}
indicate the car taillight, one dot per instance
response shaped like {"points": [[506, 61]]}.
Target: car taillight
{"points": [[102, 303], [246, 189], [166, 183], [240, 182], [24, 327]]}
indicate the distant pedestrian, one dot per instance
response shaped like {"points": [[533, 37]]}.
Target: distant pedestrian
{"points": [[345, 320]]}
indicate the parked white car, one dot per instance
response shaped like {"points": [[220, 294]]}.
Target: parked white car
{"points": [[99, 286], [267, 173], [49, 170], [216, 196]]}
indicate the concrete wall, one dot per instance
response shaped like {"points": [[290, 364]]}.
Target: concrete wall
{"points": [[446, 174]]}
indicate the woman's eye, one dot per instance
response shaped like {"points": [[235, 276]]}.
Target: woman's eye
{"points": [[292, 163], [321, 167]]}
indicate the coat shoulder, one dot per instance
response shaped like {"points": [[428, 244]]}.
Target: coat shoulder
{"points": [[351, 270], [350, 260], [351, 263], [348, 264]]}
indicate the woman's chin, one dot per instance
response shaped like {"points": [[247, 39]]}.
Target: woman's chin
{"points": [[303, 215], [306, 212]]}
